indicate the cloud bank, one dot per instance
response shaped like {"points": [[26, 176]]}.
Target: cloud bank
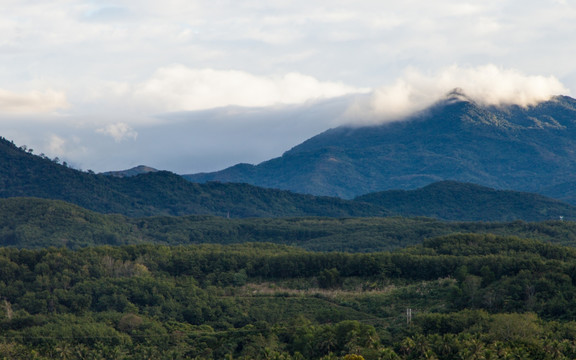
{"points": [[33, 102], [118, 131], [486, 85], [179, 88]]}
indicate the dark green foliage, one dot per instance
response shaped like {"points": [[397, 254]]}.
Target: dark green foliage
{"points": [[476, 290], [329, 279], [157, 193], [258, 301], [451, 200], [141, 169], [506, 147], [164, 193], [30, 223]]}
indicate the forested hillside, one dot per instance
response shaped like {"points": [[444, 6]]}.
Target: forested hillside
{"points": [[451, 200], [23, 174], [108, 282], [469, 296], [504, 147], [37, 223]]}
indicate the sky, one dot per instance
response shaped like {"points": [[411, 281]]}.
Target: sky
{"points": [[193, 86]]}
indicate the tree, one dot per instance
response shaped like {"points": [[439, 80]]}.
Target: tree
{"points": [[329, 279]]}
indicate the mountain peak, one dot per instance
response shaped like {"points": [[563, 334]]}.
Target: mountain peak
{"points": [[503, 147], [140, 169], [457, 95]]}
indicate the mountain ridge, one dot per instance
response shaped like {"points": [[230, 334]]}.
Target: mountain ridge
{"points": [[504, 147], [452, 200], [137, 170], [23, 174], [163, 193], [456, 139]]}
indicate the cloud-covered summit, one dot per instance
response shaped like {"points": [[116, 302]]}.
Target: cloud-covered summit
{"points": [[486, 85]]}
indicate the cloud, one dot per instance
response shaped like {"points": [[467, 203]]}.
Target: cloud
{"points": [[486, 85], [56, 145], [32, 102], [179, 88], [118, 131], [105, 14]]}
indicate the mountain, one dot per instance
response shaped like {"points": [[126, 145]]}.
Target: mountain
{"points": [[451, 200], [563, 191], [503, 147], [140, 169], [23, 174]]}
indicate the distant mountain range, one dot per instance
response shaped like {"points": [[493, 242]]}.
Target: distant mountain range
{"points": [[530, 149], [23, 174], [506, 147]]}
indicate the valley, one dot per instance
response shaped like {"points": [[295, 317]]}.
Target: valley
{"points": [[143, 263]]}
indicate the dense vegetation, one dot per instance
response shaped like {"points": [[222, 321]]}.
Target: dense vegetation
{"points": [[34, 223], [472, 297], [451, 200], [23, 174], [112, 284]]}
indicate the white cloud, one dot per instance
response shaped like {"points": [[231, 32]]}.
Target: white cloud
{"points": [[57, 145], [32, 102], [119, 132], [99, 57], [177, 88], [105, 13], [486, 85]]}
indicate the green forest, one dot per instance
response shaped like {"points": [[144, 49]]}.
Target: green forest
{"points": [[162, 193], [40, 223], [460, 296], [155, 267]]}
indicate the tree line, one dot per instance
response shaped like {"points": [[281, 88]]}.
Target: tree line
{"points": [[471, 295]]}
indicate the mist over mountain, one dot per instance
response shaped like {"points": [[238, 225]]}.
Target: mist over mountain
{"points": [[524, 148]]}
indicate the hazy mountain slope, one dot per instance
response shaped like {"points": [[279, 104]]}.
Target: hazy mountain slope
{"points": [[450, 200], [177, 196], [564, 191], [506, 147], [162, 193], [140, 169], [157, 193]]}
